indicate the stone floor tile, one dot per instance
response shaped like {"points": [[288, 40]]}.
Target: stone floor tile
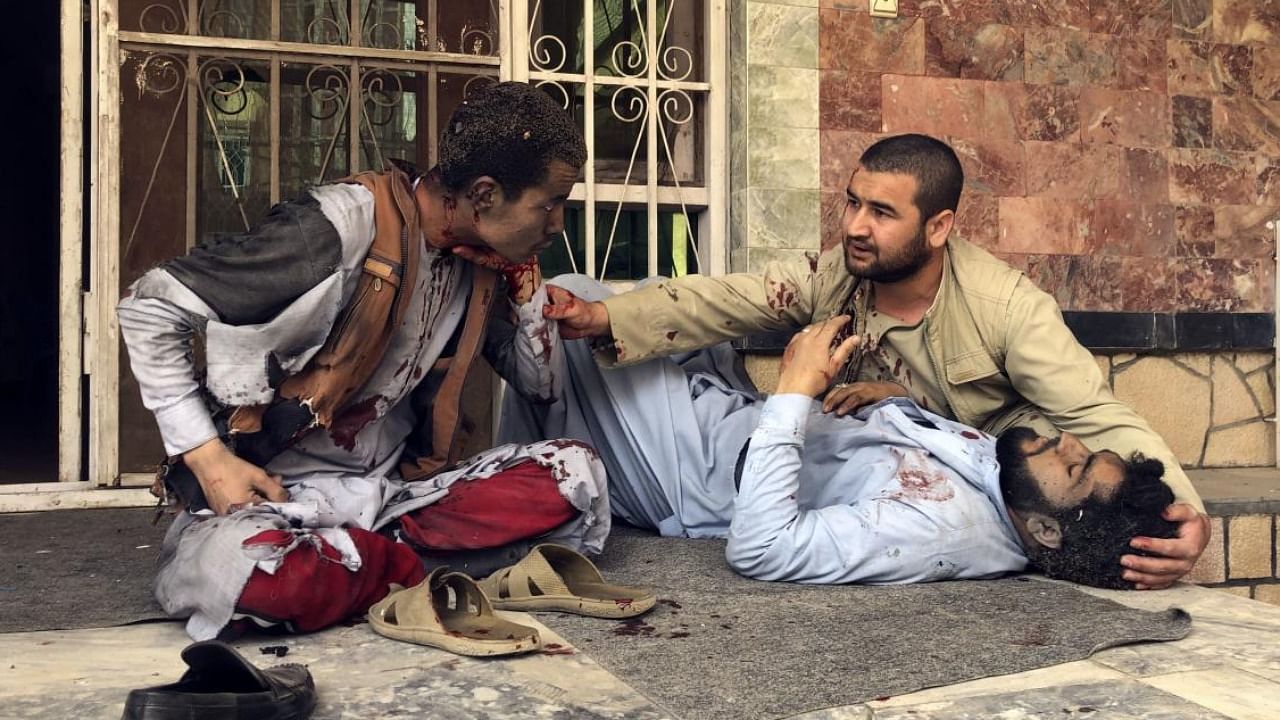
{"points": [[1230, 691], [1115, 700], [1081, 671]]}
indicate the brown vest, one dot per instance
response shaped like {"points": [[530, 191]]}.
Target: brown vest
{"points": [[362, 332]]}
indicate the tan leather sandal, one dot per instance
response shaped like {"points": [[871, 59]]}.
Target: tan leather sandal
{"points": [[556, 578]]}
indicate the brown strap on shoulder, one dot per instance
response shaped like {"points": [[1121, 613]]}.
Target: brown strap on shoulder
{"points": [[447, 408]]}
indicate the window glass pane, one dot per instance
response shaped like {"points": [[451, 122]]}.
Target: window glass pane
{"points": [[234, 146], [318, 23], [314, 142], [555, 42]]}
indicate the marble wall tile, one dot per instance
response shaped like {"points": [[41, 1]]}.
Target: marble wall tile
{"points": [[1130, 118], [831, 223], [1247, 124], [1266, 73], [1146, 175], [1043, 225], [1069, 57], [1225, 285], [1240, 231], [1246, 21], [1143, 65], [936, 106], [783, 158], [1198, 68], [978, 218], [850, 100], [1192, 121], [840, 150], [1148, 284], [1067, 170], [783, 218], [1052, 273], [857, 41], [1031, 112], [1119, 227], [782, 35], [1099, 283], [1072, 14], [1192, 19], [1194, 231], [1210, 177], [783, 97], [1268, 182], [985, 51], [1135, 18], [758, 258], [992, 166]]}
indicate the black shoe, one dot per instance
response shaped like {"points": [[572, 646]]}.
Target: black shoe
{"points": [[220, 684]]}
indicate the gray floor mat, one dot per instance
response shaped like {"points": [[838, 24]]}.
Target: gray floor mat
{"points": [[721, 646], [71, 569]]}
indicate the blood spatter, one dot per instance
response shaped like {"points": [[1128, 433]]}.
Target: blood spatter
{"points": [[812, 257], [780, 294], [969, 434], [671, 336], [346, 426], [671, 292]]}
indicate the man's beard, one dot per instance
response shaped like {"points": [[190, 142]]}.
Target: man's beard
{"points": [[898, 266]]}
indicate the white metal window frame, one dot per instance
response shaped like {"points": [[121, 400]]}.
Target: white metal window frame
{"points": [[89, 334], [645, 72]]}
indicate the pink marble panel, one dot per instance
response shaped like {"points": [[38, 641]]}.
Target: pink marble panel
{"points": [[1098, 282], [985, 51], [1043, 225], [992, 166], [832, 214], [1241, 231], [936, 106], [1147, 175], [1192, 19], [1246, 21], [1225, 285], [1268, 182], [1125, 117], [1197, 68], [1070, 57], [859, 42], [1132, 229], [838, 152], [1068, 170], [1133, 18], [849, 100], [1266, 73], [1193, 229], [1247, 124], [1052, 274], [1073, 14], [1143, 64], [978, 219], [1031, 112], [1209, 177], [1148, 284], [1192, 121]]}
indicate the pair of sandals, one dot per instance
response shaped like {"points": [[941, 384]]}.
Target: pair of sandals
{"points": [[453, 612]]}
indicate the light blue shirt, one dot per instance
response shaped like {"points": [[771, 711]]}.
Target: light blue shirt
{"points": [[876, 498]]}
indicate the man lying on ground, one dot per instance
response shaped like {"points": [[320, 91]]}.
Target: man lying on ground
{"points": [[891, 494], [943, 322]]}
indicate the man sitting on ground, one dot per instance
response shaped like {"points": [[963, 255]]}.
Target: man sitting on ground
{"points": [[891, 494]]}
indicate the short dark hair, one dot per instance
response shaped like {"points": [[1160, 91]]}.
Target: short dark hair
{"points": [[1095, 533], [930, 161], [511, 132]]}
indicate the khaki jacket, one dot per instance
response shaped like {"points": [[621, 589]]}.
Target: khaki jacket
{"points": [[1002, 354]]}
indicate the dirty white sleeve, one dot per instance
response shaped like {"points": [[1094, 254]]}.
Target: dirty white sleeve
{"points": [[158, 321], [539, 354], [772, 538]]}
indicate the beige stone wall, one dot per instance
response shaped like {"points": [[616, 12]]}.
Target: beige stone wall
{"points": [[1214, 409], [1242, 558]]}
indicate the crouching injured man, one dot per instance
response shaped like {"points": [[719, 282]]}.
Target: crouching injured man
{"points": [[324, 432], [891, 494]]}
